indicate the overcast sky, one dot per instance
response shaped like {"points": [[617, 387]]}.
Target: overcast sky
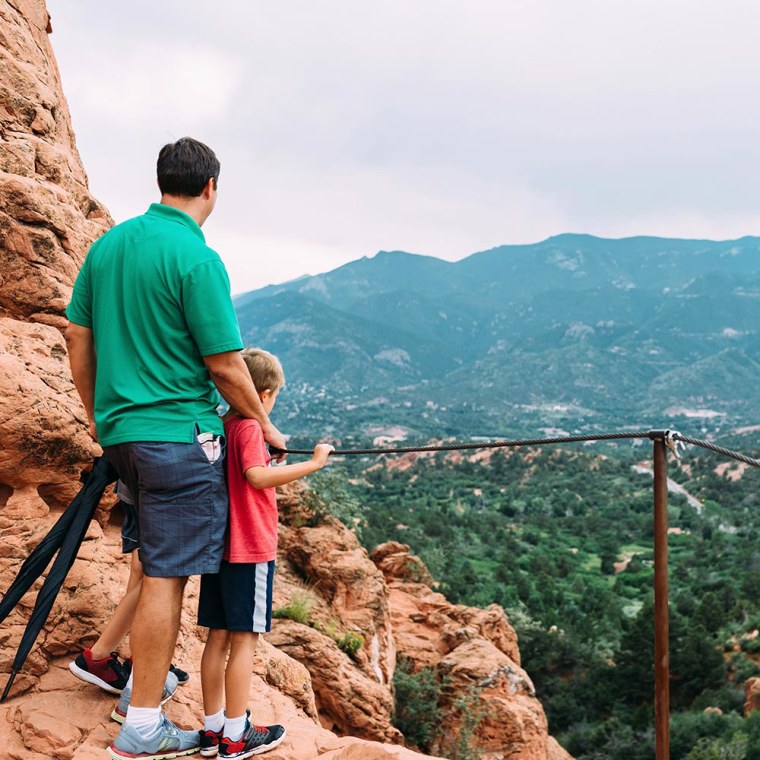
{"points": [[429, 126]]}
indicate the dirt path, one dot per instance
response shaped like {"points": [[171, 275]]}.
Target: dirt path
{"points": [[673, 487]]}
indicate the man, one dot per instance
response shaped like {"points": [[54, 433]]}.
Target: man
{"points": [[152, 336]]}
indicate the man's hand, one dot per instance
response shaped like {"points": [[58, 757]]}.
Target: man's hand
{"points": [[275, 439], [233, 381], [93, 431]]}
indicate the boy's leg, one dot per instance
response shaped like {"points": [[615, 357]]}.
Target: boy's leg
{"points": [[121, 620], [100, 665], [212, 670], [211, 616], [247, 593], [241, 738], [237, 677]]}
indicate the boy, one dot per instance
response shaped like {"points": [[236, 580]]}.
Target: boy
{"points": [[236, 603]]}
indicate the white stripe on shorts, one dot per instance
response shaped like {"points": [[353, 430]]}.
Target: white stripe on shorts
{"points": [[260, 598]]}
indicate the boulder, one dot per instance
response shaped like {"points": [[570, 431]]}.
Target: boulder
{"points": [[751, 696]]}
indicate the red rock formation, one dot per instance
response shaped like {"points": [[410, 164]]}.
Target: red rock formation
{"points": [[474, 651], [47, 221], [751, 695], [348, 595], [488, 700]]}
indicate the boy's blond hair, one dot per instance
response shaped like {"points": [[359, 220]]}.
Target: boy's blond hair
{"points": [[264, 368]]}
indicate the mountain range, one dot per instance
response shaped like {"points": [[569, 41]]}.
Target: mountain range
{"points": [[576, 333]]}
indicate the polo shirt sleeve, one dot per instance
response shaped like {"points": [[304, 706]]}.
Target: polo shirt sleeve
{"points": [[208, 309], [79, 310], [251, 445]]}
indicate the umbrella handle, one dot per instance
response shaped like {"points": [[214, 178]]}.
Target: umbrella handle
{"points": [[14, 672]]}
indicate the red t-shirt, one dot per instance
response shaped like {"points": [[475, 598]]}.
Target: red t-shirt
{"points": [[252, 527]]}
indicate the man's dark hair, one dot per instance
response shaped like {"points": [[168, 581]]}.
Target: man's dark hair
{"points": [[184, 167]]}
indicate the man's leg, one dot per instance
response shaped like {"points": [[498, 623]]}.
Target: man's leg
{"points": [[154, 637]]}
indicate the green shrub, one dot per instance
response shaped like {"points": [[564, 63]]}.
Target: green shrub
{"points": [[299, 608], [416, 711], [719, 749], [470, 717], [743, 668], [350, 642], [688, 729], [327, 495]]}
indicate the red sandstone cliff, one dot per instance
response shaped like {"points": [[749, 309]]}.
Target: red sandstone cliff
{"points": [[336, 705], [473, 651], [47, 220]]}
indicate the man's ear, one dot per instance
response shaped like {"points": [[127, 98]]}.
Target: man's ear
{"points": [[208, 188]]}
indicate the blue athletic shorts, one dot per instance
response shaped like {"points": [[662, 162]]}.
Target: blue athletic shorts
{"points": [[130, 536], [238, 597], [181, 502]]}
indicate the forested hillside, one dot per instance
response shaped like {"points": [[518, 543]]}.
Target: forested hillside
{"points": [[562, 538]]}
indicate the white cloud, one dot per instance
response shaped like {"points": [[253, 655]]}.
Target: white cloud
{"points": [[437, 126], [149, 83]]}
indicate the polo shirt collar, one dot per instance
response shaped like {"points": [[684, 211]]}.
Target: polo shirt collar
{"points": [[175, 215]]}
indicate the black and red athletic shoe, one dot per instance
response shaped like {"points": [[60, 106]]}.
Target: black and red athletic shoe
{"points": [[110, 673], [256, 740], [210, 742]]}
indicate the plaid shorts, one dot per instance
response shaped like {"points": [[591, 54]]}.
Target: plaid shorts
{"points": [[181, 503]]}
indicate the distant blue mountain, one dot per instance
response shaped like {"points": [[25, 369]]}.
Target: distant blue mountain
{"points": [[576, 332]]}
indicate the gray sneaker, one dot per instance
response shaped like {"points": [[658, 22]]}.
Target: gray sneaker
{"points": [[119, 713], [166, 742]]}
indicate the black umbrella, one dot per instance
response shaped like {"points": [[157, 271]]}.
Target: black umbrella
{"points": [[65, 537]]}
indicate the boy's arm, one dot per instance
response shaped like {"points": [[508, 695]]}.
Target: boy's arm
{"points": [[271, 477]]}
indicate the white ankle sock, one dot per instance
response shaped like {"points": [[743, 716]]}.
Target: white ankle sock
{"points": [[234, 727], [214, 722], [144, 720], [129, 680]]}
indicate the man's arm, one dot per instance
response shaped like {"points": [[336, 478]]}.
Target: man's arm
{"points": [[233, 381], [82, 361]]}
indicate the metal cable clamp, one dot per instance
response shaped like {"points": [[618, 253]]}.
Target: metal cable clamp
{"points": [[673, 441]]}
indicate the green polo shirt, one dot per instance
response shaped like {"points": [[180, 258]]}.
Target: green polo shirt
{"points": [[157, 299]]}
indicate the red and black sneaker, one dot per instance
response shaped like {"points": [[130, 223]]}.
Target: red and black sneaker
{"points": [[210, 742], [109, 673], [256, 740]]}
